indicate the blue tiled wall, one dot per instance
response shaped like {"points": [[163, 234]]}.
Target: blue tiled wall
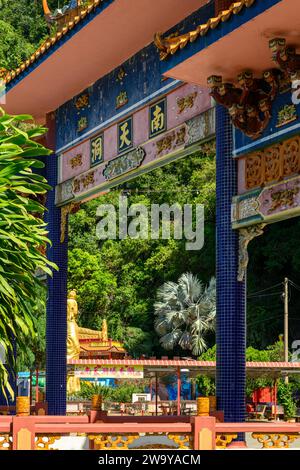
{"points": [[231, 317], [56, 328]]}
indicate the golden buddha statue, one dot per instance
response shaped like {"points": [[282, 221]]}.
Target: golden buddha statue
{"points": [[104, 331], [75, 332]]}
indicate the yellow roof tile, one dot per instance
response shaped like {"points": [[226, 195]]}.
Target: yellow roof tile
{"points": [[49, 42], [170, 45]]}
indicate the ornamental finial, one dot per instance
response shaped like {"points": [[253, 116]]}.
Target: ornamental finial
{"points": [[47, 11]]}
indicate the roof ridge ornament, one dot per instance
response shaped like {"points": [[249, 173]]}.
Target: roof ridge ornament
{"points": [[47, 11], [62, 16], [170, 45]]}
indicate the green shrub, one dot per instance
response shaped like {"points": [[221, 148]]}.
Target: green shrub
{"points": [[285, 398]]}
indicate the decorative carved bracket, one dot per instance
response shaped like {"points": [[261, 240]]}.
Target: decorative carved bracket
{"points": [[286, 58], [246, 235], [71, 208], [250, 102]]}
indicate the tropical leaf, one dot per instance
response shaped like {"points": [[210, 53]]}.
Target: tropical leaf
{"points": [[22, 234]]}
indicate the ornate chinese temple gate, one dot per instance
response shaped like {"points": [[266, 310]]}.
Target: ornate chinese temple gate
{"points": [[258, 154], [148, 109]]}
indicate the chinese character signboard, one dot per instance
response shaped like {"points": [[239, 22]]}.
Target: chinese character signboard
{"points": [[97, 150], [157, 118], [146, 138], [109, 371], [125, 137]]}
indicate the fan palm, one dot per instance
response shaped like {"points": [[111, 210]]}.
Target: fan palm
{"points": [[185, 311], [23, 235]]}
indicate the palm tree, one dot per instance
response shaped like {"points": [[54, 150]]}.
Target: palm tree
{"points": [[185, 311]]}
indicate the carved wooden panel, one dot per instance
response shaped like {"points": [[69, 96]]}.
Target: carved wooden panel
{"points": [[276, 441], [5, 442], [291, 153], [113, 441], [180, 441], [273, 163], [254, 170], [44, 442], [223, 440]]}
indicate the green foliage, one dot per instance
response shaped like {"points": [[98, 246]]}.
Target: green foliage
{"points": [[118, 279], [210, 354], [94, 285], [88, 389], [35, 353], [206, 385], [272, 353], [285, 398], [272, 257], [22, 29], [137, 341], [13, 48], [185, 312], [22, 235], [122, 393]]}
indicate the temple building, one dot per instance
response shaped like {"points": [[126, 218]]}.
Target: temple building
{"points": [[93, 348]]}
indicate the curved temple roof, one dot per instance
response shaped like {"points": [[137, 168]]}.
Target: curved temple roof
{"points": [[86, 48], [53, 40], [169, 46]]}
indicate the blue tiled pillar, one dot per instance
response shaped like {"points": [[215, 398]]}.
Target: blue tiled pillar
{"points": [[231, 313], [56, 328]]}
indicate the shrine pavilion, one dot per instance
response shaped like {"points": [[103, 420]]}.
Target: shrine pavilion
{"points": [[94, 349], [128, 86]]}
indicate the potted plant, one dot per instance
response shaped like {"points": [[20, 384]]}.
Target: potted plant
{"points": [[206, 403]]}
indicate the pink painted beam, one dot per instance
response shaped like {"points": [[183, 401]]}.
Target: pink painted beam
{"points": [[5, 428], [112, 428], [43, 419], [61, 419], [147, 419], [5, 423], [5, 419], [268, 428]]}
